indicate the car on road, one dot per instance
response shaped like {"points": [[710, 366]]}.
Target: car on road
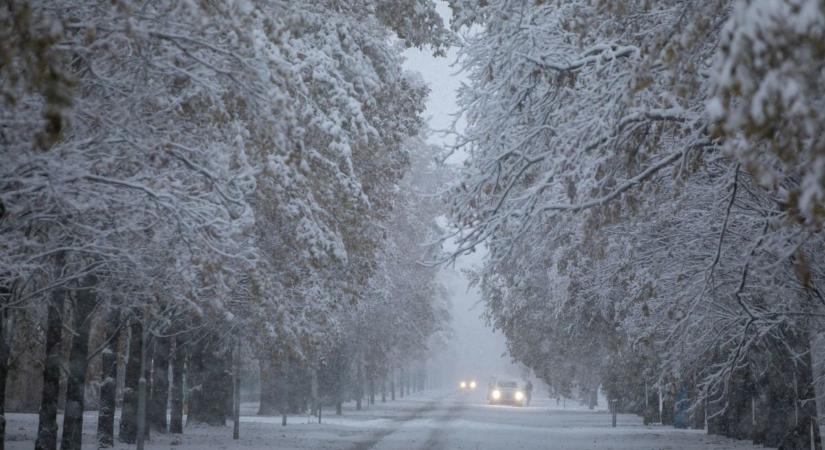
{"points": [[467, 385], [506, 392]]}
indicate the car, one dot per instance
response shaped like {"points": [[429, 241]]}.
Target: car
{"points": [[506, 392], [467, 385]]}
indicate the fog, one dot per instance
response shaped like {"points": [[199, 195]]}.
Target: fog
{"points": [[474, 350]]}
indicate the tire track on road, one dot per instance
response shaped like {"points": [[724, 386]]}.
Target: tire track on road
{"points": [[376, 437], [436, 439]]}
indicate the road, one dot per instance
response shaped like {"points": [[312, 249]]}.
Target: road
{"points": [[423, 421], [465, 422]]}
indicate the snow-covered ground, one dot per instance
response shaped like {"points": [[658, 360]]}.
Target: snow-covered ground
{"points": [[431, 420]]}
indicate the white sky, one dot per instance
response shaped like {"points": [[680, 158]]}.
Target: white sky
{"points": [[443, 80], [475, 351]]}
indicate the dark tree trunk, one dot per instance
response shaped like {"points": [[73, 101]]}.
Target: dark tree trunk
{"points": [[384, 389], [593, 397], [801, 433], [270, 400], [740, 417], [4, 371], [392, 384], [359, 385], [108, 384], [313, 390], [284, 389], [401, 383], [209, 371], [236, 391], [5, 351], [85, 300], [156, 415], [129, 410], [717, 424], [372, 390], [782, 410], [176, 418], [698, 414], [359, 390], [47, 422], [738, 420], [297, 386], [667, 408], [142, 430], [333, 377]]}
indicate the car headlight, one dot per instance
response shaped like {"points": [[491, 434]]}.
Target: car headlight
{"points": [[519, 395], [462, 385], [496, 394], [472, 385]]}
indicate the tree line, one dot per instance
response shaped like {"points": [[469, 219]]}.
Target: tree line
{"points": [[189, 189], [648, 180]]}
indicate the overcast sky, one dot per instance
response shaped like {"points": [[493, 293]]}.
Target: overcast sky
{"points": [[442, 79]]}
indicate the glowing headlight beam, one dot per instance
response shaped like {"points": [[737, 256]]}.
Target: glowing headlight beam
{"points": [[519, 395], [472, 385], [496, 394]]}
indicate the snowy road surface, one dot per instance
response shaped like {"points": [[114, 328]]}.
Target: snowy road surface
{"points": [[432, 421]]}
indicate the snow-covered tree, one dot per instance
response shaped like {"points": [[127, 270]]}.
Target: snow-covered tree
{"points": [[618, 160], [197, 170]]}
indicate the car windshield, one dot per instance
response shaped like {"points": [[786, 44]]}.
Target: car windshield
{"points": [[507, 384]]}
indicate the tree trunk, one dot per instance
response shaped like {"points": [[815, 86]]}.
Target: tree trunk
{"points": [[129, 409], [108, 384], [298, 386], [236, 391], [359, 380], [401, 383], [801, 435], [47, 424], [269, 399], [142, 430], [176, 418], [4, 371], [283, 388], [208, 391], [782, 411], [392, 384], [5, 352], [313, 389], [594, 397], [372, 390], [156, 415], [84, 304]]}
